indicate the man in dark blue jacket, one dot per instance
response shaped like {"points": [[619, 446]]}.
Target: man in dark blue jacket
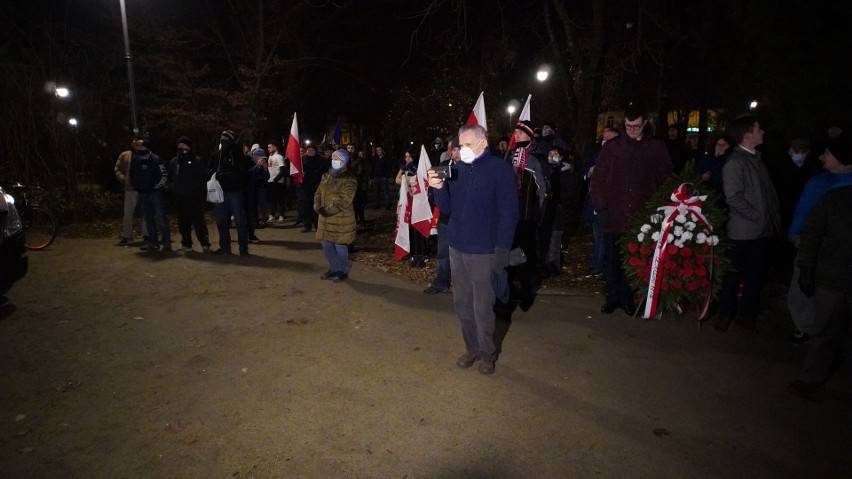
{"points": [[232, 169], [148, 177], [483, 206]]}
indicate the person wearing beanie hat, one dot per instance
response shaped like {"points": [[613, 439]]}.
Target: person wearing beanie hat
{"points": [[336, 225], [837, 163], [188, 175], [528, 163], [148, 175], [231, 167], [255, 193]]}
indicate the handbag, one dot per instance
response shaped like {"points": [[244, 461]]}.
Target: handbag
{"points": [[517, 257], [215, 194]]}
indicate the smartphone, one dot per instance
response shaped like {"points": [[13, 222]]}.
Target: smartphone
{"points": [[444, 172]]}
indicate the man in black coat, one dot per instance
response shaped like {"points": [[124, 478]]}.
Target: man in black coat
{"points": [[232, 167], [189, 184]]}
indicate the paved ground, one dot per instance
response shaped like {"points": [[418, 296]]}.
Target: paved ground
{"points": [[118, 364]]}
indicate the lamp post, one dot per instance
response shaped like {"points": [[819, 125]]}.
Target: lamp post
{"points": [[129, 68]]}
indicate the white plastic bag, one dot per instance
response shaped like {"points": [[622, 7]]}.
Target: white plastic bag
{"points": [[214, 191]]}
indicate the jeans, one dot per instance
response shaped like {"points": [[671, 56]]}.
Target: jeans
{"points": [[337, 256], [232, 206], [473, 298], [154, 215], [442, 258]]}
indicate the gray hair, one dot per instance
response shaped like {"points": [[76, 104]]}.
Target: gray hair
{"points": [[478, 131]]}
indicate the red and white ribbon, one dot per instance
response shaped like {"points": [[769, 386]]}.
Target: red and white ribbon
{"points": [[682, 203]]}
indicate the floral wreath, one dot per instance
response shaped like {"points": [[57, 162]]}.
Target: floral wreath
{"points": [[675, 258]]}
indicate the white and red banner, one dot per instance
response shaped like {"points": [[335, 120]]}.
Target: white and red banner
{"points": [[421, 212], [402, 244], [525, 115], [477, 115], [293, 152]]}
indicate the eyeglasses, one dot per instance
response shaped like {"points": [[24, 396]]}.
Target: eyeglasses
{"points": [[628, 126]]}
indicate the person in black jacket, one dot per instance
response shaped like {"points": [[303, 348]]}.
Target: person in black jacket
{"points": [[188, 175], [148, 176], [313, 167], [561, 191], [232, 167]]}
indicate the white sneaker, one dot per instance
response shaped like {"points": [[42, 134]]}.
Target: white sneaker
{"points": [[270, 219], [280, 219], [185, 249], [205, 249]]}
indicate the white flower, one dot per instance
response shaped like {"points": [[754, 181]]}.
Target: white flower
{"points": [[679, 243], [713, 240], [692, 217], [646, 228], [690, 225], [670, 238], [640, 237], [678, 230], [680, 218], [656, 236], [700, 238], [686, 236]]}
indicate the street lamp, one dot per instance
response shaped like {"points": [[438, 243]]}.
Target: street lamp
{"points": [[62, 92], [543, 72], [752, 105], [72, 121], [129, 68]]}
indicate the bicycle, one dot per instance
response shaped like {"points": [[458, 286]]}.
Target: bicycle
{"points": [[39, 224]]}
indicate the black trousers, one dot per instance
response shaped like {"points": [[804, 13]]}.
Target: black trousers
{"points": [[191, 215], [618, 290]]}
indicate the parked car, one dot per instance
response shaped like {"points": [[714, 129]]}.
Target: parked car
{"points": [[13, 251]]}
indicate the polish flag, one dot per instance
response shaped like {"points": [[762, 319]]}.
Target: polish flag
{"points": [[402, 244], [421, 212], [525, 115], [477, 115], [293, 152]]}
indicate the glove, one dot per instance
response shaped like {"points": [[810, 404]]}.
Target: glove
{"points": [[603, 218], [500, 260], [806, 281]]}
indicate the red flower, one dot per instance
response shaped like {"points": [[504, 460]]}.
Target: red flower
{"points": [[631, 247], [704, 282], [685, 252], [636, 261], [692, 286], [677, 284], [671, 249], [701, 271], [644, 250]]}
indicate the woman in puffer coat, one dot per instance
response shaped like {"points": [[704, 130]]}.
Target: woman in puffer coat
{"points": [[336, 226]]}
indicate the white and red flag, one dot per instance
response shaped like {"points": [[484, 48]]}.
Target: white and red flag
{"points": [[402, 244], [477, 115], [525, 115], [293, 153], [421, 212]]}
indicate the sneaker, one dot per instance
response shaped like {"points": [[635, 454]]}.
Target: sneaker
{"points": [[253, 238], [434, 290], [799, 338], [185, 249], [205, 249], [270, 219], [340, 277], [222, 251], [149, 247], [486, 367], [125, 241], [280, 219], [244, 252], [328, 275], [466, 360]]}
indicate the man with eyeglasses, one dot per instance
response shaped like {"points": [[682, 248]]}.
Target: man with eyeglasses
{"points": [[628, 171]]}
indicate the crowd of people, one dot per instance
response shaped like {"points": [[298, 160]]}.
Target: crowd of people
{"points": [[501, 229]]}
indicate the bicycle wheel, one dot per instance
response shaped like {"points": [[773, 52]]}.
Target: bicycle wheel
{"points": [[40, 228]]}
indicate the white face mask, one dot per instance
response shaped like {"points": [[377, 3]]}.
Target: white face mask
{"points": [[553, 159], [467, 155], [798, 158], [336, 164]]}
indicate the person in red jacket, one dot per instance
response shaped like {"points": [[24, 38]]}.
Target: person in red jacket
{"points": [[629, 170]]}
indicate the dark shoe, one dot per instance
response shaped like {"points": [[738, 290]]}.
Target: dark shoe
{"points": [[802, 389], [609, 308], [722, 323], [630, 309], [526, 302], [253, 238], [433, 290], [298, 223], [466, 360], [340, 277], [799, 338], [306, 229], [244, 252], [328, 275], [125, 241], [148, 247], [222, 251], [167, 248], [486, 367]]}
